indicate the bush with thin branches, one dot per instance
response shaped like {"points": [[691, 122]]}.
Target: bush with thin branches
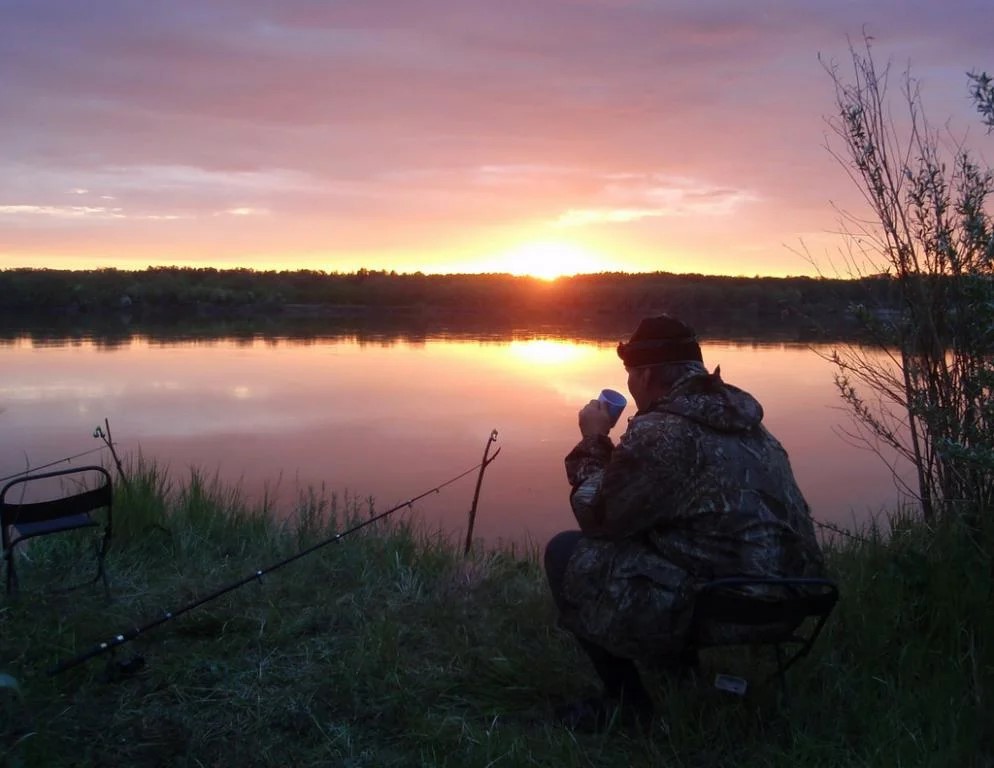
{"points": [[928, 397]]}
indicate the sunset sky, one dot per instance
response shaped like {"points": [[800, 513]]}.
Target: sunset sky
{"points": [[538, 136]]}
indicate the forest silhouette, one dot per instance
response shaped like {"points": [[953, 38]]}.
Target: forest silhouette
{"points": [[175, 295]]}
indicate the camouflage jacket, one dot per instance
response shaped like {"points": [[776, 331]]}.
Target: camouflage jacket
{"points": [[696, 489]]}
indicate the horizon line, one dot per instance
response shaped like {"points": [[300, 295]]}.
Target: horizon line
{"points": [[418, 273]]}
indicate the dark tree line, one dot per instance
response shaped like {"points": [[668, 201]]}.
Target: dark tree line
{"points": [[177, 291]]}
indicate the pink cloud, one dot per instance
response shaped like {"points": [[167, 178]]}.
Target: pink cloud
{"points": [[393, 120]]}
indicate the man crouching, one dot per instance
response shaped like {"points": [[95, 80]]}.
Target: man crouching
{"points": [[696, 489]]}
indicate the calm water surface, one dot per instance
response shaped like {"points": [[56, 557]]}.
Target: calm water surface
{"points": [[392, 419]]}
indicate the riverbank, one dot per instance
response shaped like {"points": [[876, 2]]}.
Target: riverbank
{"points": [[390, 648]]}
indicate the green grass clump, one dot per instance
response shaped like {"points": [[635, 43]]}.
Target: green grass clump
{"points": [[389, 648]]}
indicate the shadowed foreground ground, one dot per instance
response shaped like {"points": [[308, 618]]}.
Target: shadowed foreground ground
{"points": [[389, 648]]}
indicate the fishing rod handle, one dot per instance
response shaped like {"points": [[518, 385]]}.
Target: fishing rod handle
{"points": [[96, 650]]}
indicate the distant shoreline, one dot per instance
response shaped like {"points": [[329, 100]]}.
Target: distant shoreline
{"points": [[161, 297]]}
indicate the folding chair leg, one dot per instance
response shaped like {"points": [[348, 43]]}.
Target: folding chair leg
{"points": [[101, 574], [11, 573], [782, 675]]}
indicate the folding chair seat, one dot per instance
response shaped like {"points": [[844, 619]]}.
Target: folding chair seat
{"points": [[763, 612], [23, 515]]}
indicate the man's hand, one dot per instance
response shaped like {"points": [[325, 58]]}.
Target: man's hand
{"points": [[594, 419]]}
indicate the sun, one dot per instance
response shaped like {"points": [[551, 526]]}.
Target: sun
{"points": [[549, 259]]}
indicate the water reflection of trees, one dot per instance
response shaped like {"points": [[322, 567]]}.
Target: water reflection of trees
{"points": [[375, 334]]}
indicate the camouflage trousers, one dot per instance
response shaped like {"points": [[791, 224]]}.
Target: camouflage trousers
{"points": [[625, 598]]}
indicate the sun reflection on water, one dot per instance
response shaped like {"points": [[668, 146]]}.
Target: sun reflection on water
{"points": [[550, 351]]}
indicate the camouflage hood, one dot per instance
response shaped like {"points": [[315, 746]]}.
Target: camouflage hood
{"points": [[704, 398]]}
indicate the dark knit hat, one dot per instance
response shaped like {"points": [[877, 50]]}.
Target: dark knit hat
{"points": [[661, 339]]}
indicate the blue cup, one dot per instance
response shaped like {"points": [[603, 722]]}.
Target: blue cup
{"points": [[615, 402]]}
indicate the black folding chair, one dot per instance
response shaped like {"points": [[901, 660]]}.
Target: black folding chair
{"points": [[726, 614], [22, 517]]}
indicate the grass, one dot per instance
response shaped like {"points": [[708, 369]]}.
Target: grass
{"points": [[389, 648]]}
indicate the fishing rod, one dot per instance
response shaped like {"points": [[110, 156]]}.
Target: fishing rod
{"points": [[97, 433], [53, 463], [131, 634]]}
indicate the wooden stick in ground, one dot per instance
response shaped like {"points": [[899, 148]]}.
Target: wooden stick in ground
{"points": [[106, 436], [476, 494]]}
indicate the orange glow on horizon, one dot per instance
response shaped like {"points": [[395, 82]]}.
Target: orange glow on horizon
{"points": [[545, 260]]}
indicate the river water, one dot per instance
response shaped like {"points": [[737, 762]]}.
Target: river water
{"points": [[391, 418]]}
